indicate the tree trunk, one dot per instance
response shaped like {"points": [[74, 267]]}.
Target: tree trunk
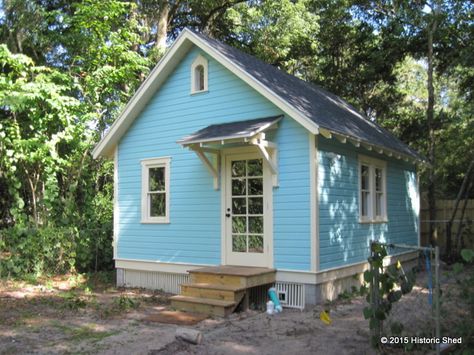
{"points": [[162, 27], [459, 240], [431, 134], [455, 210]]}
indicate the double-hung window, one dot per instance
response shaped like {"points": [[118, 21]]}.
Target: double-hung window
{"points": [[155, 190], [372, 190]]}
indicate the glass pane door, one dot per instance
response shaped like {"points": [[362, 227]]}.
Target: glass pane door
{"points": [[247, 206]]}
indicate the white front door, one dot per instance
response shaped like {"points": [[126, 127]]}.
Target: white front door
{"points": [[247, 211]]}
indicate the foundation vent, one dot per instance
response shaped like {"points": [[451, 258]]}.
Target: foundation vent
{"points": [[291, 295]]}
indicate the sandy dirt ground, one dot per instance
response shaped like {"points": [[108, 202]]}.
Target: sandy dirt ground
{"points": [[61, 316]]}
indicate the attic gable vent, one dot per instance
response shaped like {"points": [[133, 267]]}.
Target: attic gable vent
{"points": [[199, 75]]}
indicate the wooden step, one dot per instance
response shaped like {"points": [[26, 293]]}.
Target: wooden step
{"points": [[228, 275], [209, 306], [217, 292]]}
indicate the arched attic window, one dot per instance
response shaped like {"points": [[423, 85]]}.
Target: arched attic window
{"points": [[199, 75]]}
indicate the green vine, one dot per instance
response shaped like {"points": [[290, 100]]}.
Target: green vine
{"points": [[386, 286]]}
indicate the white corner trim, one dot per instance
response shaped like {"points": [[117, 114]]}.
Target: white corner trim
{"points": [[162, 162], [313, 201], [419, 206], [200, 60], [116, 202]]}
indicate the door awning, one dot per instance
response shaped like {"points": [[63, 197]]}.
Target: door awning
{"points": [[230, 132], [211, 139]]}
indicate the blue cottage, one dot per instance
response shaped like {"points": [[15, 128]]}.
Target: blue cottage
{"points": [[221, 159]]}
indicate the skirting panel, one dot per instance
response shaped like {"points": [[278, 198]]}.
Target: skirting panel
{"points": [[168, 282]]}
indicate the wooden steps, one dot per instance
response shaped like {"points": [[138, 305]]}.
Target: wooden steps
{"points": [[213, 291], [203, 305], [219, 290]]}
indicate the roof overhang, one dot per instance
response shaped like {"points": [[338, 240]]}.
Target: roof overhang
{"points": [[241, 131], [212, 139]]}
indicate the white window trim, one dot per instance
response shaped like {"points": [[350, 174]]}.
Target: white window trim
{"points": [[200, 60], [373, 163], [146, 165]]}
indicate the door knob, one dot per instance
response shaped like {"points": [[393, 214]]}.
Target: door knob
{"points": [[228, 213]]}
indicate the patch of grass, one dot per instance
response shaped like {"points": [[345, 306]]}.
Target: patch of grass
{"points": [[125, 304], [73, 301], [354, 292], [122, 304], [86, 332], [99, 281]]}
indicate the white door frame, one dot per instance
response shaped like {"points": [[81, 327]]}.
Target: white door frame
{"points": [[268, 208]]}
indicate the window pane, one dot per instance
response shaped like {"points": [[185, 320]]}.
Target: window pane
{"points": [[255, 244], [364, 177], [239, 225], [256, 225], [199, 78], [378, 204], [238, 168], [378, 179], [239, 206], [255, 167], [364, 203], [239, 243], [256, 205], [255, 186], [238, 187], [157, 205], [156, 179]]}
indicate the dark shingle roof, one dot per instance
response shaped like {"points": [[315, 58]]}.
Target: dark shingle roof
{"points": [[322, 107], [240, 129]]}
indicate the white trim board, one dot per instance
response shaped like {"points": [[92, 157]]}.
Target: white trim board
{"points": [[313, 187], [116, 203]]}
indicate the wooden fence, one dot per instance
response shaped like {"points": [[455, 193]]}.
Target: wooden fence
{"points": [[444, 210]]}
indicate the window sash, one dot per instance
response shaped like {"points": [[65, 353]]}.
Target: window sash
{"points": [[372, 194], [155, 200]]}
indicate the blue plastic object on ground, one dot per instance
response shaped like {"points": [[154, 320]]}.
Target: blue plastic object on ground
{"points": [[274, 297]]}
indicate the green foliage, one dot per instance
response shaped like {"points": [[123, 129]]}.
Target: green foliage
{"points": [[124, 303], [68, 68], [37, 251], [73, 301], [464, 274], [283, 33], [386, 287]]}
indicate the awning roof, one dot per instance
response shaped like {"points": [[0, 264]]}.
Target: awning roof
{"points": [[232, 130]]}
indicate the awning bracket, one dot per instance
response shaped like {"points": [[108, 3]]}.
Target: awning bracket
{"points": [[212, 168], [269, 154]]}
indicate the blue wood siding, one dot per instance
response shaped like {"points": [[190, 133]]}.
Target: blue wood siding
{"points": [[194, 232], [342, 239]]}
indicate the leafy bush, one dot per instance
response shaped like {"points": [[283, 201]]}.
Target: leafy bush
{"points": [[54, 250]]}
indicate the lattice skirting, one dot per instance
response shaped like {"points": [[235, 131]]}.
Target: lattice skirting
{"points": [[168, 282], [291, 295]]}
